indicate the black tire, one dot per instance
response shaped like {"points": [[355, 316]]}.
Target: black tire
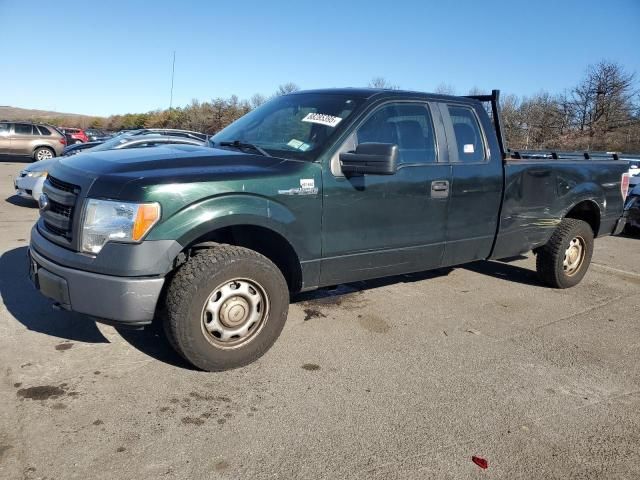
{"points": [[192, 287], [551, 257], [632, 231], [36, 153]]}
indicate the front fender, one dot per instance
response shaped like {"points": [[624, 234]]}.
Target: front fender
{"points": [[198, 219]]}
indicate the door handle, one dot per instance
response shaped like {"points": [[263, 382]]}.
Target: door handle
{"points": [[440, 186], [439, 189]]}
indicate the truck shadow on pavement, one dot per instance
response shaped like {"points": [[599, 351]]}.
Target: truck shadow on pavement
{"points": [[503, 270], [21, 202], [33, 310]]}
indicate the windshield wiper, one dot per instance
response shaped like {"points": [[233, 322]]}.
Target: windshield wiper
{"points": [[241, 145]]}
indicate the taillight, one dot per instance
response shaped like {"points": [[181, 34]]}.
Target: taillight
{"points": [[63, 141], [624, 185]]}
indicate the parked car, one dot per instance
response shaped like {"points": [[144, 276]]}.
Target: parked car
{"points": [[634, 169], [97, 135], [199, 137], [79, 147], [76, 135], [36, 140], [632, 208], [310, 189], [137, 141], [30, 180]]}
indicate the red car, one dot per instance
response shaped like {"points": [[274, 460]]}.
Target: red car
{"points": [[75, 135]]}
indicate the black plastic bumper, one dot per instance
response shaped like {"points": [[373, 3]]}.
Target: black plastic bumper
{"points": [[118, 299]]}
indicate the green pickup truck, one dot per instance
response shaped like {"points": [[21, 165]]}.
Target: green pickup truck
{"points": [[311, 189]]}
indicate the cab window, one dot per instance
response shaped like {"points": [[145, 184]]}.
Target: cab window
{"points": [[407, 125], [467, 133]]}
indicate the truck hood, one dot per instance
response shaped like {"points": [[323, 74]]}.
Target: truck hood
{"points": [[125, 173], [152, 161]]}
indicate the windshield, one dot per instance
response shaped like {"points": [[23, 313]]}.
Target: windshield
{"points": [[295, 126]]}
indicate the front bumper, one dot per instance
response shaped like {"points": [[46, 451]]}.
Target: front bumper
{"points": [[130, 301], [24, 187]]}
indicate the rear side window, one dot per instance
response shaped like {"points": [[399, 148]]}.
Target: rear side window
{"points": [[23, 129], [43, 130], [407, 125], [468, 135]]}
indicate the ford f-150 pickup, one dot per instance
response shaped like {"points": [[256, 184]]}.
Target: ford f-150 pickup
{"points": [[311, 189]]}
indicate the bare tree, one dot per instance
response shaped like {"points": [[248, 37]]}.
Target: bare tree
{"points": [[285, 88], [603, 102], [445, 89], [257, 100], [381, 82]]}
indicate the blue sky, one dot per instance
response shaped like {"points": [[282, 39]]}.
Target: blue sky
{"points": [[115, 57]]}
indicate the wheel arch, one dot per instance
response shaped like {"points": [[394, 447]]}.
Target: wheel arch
{"points": [[587, 210], [262, 239], [48, 147]]}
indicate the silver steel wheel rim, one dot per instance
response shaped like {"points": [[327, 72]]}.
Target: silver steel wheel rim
{"points": [[574, 256], [234, 313], [44, 154]]}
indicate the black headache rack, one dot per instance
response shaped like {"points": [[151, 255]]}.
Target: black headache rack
{"points": [[494, 112]]}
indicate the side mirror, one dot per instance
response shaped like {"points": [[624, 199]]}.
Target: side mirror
{"points": [[373, 158]]}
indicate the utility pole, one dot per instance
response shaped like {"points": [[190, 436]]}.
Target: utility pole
{"points": [[173, 69]]}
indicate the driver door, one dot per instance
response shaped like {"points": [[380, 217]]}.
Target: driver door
{"points": [[380, 225]]}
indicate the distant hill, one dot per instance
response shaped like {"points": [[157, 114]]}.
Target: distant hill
{"points": [[59, 118]]}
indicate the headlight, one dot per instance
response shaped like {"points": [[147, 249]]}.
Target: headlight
{"points": [[106, 220], [37, 174]]}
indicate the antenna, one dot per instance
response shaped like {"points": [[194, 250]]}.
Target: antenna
{"points": [[173, 69]]}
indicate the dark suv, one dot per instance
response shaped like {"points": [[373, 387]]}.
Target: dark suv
{"points": [[37, 140]]}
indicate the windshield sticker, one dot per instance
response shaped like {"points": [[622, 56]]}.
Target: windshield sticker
{"points": [[298, 145], [322, 119], [468, 148]]}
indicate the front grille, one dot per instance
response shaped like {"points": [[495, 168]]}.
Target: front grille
{"points": [[64, 186], [58, 217], [61, 209], [56, 231]]}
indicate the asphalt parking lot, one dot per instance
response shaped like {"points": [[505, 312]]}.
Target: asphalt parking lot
{"points": [[400, 378]]}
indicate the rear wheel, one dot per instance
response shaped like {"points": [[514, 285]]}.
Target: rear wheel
{"points": [[225, 307], [43, 153], [564, 260]]}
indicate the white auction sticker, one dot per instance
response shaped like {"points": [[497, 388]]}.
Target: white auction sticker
{"points": [[306, 183], [322, 119], [469, 148]]}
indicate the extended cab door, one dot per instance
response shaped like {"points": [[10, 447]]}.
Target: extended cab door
{"points": [[379, 225], [476, 183]]}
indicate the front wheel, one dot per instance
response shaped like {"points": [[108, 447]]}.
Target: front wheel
{"points": [[563, 261], [225, 307]]}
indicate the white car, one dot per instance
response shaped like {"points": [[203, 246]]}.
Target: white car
{"points": [[634, 169], [30, 180]]}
